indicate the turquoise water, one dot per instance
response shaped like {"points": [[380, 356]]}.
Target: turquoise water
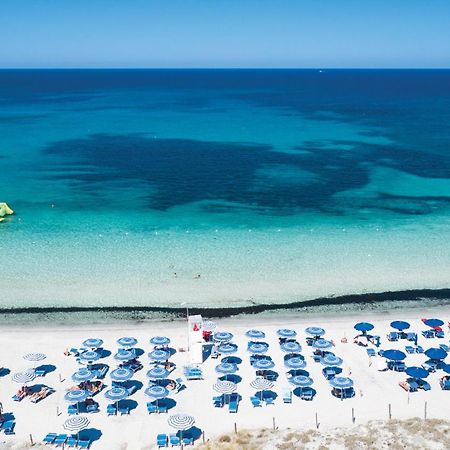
{"points": [[273, 186]]}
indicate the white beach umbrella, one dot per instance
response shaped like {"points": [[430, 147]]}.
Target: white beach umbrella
{"points": [[224, 387], [181, 421], [24, 377]]}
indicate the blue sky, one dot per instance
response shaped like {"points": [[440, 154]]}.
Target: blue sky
{"points": [[224, 33]]}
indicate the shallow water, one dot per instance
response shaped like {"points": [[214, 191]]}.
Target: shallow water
{"points": [[274, 186]]}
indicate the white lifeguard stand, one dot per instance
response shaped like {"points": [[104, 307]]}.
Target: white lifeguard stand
{"points": [[195, 339]]}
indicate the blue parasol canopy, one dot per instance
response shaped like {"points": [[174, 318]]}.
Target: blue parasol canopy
{"points": [[160, 340], [433, 323], [331, 360], [226, 368], [223, 336], [255, 334], [156, 392], [93, 343], [127, 342], [291, 347], [121, 374], [116, 394], [227, 348], [76, 396], [157, 373], [258, 348], [89, 355], [341, 382], [394, 355], [295, 362], [400, 325], [436, 353], [263, 364], [301, 381], [83, 374], [286, 333], [159, 355], [364, 327], [315, 331], [416, 372], [124, 355], [322, 344], [446, 368]]}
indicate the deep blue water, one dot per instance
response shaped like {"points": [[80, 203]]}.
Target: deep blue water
{"points": [[87, 153]]}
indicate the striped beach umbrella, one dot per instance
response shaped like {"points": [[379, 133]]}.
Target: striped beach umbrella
{"points": [[156, 392], [181, 421], [446, 368], [160, 341], [24, 377], [261, 384], [286, 333], [34, 357], [224, 387], [341, 382], [291, 347], [76, 423], [93, 343], [255, 334], [258, 348], [322, 344], [89, 356], [315, 331], [226, 368], [209, 325], [159, 355], [263, 364], [83, 374], [301, 381], [121, 374], [127, 342], [157, 373], [116, 394], [76, 396], [331, 360], [223, 336], [124, 355], [295, 362], [227, 348]]}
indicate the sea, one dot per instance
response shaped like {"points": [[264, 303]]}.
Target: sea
{"points": [[221, 188]]}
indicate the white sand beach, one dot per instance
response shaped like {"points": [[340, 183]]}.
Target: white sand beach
{"points": [[375, 390]]}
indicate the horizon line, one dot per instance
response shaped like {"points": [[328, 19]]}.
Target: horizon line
{"points": [[223, 68]]}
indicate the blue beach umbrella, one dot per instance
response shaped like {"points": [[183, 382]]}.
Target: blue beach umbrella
{"points": [[76, 396], [322, 344], [286, 333], [124, 355], [364, 327], [416, 372], [127, 342], [93, 343], [89, 356], [116, 394], [394, 355], [160, 340], [263, 364], [331, 360], [291, 347], [258, 348], [315, 331], [121, 374], [227, 349], [400, 325], [226, 369], [158, 373], [301, 381], [433, 323], [255, 334], [159, 355], [295, 362], [341, 382], [156, 392], [83, 374], [436, 353], [223, 336], [446, 368]]}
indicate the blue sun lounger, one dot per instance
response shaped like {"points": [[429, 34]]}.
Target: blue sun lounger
{"points": [[189, 440], [151, 408], [445, 384], [307, 394], [409, 349], [287, 396], [218, 401], [72, 441], [60, 440], [371, 352], [256, 402], [84, 443], [174, 440], [111, 410], [234, 403], [161, 440], [49, 438], [8, 427]]}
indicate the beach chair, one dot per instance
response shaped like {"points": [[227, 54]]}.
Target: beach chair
{"points": [[111, 410], [72, 441], [444, 347], [316, 358], [445, 383], [440, 334], [162, 407], [269, 401], [218, 401], [371, 352], [348, 393], [49, 438], [409, 349], [84, 443], [124, 410], [419, 349], [151, 408], [188, 440], [408, 386], [72, 409], [60, 440], [256, 402], [307, 394], [287, 396], [40, 372], [174, 440], [430, 366], [234, 403], [93, 408], [392, 336], [132, 389], [428, 334], [8, 427], [162, 440], [425, 385], [179, 385]]}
